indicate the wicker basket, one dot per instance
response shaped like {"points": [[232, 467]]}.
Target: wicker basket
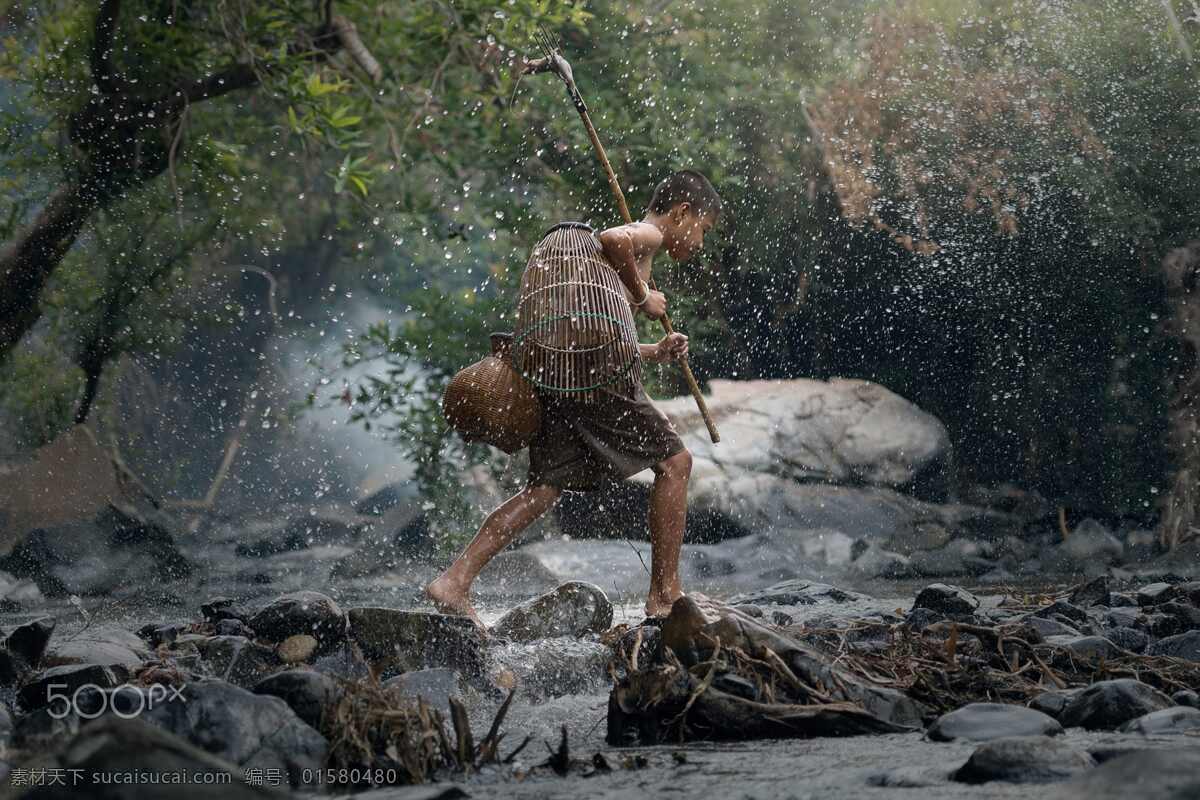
{"points": [[491, 402]]}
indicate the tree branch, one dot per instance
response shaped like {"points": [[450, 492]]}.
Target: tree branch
{"points": [[102, 44]]}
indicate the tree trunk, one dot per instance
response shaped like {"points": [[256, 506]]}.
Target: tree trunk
{"points": [[1181, 510], [28, 260]]}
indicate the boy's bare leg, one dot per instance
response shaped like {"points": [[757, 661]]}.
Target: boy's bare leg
{"points": [[451, 591], [668, 514]]}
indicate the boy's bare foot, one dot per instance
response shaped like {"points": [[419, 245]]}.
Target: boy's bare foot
{"points": [[659, 604], [452, 599]]}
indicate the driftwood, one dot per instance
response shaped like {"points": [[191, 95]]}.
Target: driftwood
{"points": [[720, 674]]}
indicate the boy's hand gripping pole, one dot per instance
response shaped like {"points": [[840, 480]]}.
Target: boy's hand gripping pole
{"points": [[553, 61]]}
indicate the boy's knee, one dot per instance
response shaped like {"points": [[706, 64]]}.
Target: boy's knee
{"points": [[544, 493], [678, 466]]}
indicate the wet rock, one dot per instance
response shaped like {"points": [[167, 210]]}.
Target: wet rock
{"points": [[1131, 639], [921, 618], [1093, 593], [1184, 645], [1093, 647], [101, 644], [1186, 697], [296, 649], [436, 686], [1107, 705], [946, 599], [875, 562], [573, 609], [121, 552], [403, 641], [306, 692], [49, 684], [1024, 759], [1158, 774], [222, 608], [1053, 702], [306, 612], [1060, 608], [23, 649], [1172, 618], [1121, 600], [982, 722], [156, 635], [555, 667], [237, 659], [42, 730], [1129, 617], [1180, 719], [1089, 546], [798, 593], [1049, 627], [859, 433], [114, 746], [1154, 593], [243, 728], [234, 627]]}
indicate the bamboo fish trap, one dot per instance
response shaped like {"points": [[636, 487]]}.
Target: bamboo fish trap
{"points": [[575, 332]]}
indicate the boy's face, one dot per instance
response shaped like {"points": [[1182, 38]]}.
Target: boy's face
{"points": [[684, 236]]}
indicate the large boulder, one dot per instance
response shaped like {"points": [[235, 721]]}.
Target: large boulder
{"points": [[307, 692], [100, 644], [1180, 719], [838, 431], [1183, 645]]}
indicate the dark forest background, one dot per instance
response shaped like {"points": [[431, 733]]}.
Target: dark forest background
{"points": [[988, 207]]}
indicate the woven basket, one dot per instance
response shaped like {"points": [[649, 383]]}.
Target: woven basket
{"points": [[491, 402]]}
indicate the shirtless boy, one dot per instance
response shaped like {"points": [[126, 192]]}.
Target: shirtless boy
{"points": [[580, 447]]}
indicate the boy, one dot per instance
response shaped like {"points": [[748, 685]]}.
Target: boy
{"points": [[582, 445]]}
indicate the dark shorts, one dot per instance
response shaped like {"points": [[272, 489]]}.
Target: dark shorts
{"points": [[582, 446]]}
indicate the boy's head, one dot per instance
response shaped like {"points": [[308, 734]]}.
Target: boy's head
{"points": [[685, 206]]}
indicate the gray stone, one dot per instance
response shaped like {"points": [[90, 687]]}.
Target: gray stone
{"points": [[1157, 774], [1062, 609], [1180, 719], [1185, 645], [1049, 627], [982, 722], [27, 643], [1186, 697], [114, 746], [1053, 702], [237, 659], [1093, 593], [122, 551], [301, 612], [573, 609], [875, 562], [403, 641], [1107, 705], [1131, 639], [798, 593], [946, 599], [100, 644], [243, 728], [1092, 647], [435, 686], [1024, 759], [307, 692], [1091, 543], [1154, 593], [222, 608], [65, 680]]}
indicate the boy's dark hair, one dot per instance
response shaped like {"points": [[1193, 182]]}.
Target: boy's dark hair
{"points": [[686, 186]]}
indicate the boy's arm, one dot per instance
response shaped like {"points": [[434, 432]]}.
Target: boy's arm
{"points": [[625, 246]]}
